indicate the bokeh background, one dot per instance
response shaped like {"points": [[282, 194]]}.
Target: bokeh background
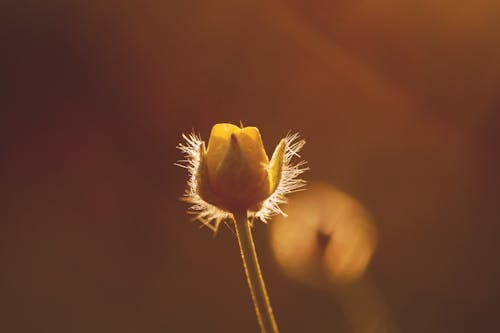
{"points": [[400, 106]]}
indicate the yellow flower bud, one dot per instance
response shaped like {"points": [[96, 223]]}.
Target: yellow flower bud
{"points": [[234, 174], [235, 162]]}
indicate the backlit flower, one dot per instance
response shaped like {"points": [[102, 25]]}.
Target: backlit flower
{"points": [[233, 173]]}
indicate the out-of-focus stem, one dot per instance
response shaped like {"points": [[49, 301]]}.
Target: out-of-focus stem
{"points": [[253, 274]]}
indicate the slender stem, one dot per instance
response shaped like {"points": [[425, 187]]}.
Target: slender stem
{"points": [[254, 275]]}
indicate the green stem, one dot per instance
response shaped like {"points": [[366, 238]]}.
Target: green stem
{"points": [[253, 273]]}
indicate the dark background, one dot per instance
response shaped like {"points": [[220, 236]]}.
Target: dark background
{"points": [[399, 103]]}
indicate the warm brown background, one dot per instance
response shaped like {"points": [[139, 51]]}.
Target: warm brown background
{"points": [[399, 102]]}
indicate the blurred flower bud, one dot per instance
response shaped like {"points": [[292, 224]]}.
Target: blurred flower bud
{"points": [[328, 238]]}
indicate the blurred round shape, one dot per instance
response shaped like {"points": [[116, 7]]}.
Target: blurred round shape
{"points": [[327, 238], [350, 249]]}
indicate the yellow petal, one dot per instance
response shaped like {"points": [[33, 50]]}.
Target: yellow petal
{"points": [[252, 148], [218, 144]]}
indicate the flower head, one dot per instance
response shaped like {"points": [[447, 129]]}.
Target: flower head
{"points": [[233, 173]]}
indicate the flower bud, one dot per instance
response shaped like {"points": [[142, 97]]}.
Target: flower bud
{"points": [[233, 174], [234, 168]]}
